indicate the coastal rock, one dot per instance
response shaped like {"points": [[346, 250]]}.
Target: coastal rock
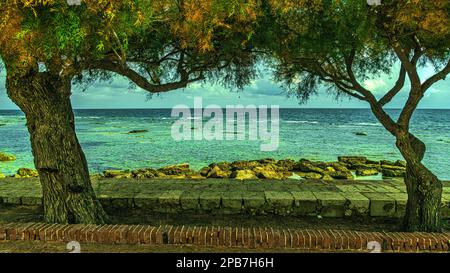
{"points": [[224, 166], [309, 175], [338, 166], [286, 164], [118, 174], [145, 173], [244, 165], [137, 131], [352, 160], [327, 177], [178, 169], [400, 163], [6, 157], [196, 176], [266, 173], [341, 175], [367, 172], [26, 173], [216, 172], [243, 175], [393, 173], [308, 166], [267, 160], [392, 167], [204, 171]]}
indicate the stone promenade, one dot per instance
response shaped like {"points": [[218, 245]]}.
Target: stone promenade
{"points": [[337, 198]]}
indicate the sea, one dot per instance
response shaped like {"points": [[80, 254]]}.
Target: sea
{"points": [[315, 134]]}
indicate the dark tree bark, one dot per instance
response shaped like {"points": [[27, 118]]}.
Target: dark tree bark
{"points": [[423, 187], [67, 191]]}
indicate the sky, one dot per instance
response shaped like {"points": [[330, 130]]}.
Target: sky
{"points": [[261, 91]]}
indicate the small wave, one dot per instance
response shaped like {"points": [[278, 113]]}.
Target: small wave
{"points": [[367, 124], [301, 121], [93, 117]]}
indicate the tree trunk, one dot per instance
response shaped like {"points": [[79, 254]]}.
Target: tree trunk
{"points": [[423, 187], [67, 191]]}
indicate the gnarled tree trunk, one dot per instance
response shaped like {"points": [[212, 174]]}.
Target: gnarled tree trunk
{"points": [[423, 187], [67, 191]]}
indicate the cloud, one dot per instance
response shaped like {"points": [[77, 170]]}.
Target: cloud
{"points": [[116, 94]]}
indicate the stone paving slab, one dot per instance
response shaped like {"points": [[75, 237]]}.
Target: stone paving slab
{"points": [[337, 198]]}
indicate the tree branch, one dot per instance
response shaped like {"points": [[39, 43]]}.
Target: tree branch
{"points": [[141, 81]]}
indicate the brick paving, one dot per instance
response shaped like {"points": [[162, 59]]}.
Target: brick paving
{"points": [[230, 237]]}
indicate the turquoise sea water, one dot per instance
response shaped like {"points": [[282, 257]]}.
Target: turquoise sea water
{"points": [[317, 134]]}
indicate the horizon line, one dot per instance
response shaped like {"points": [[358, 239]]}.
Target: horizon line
{"points": [[315, 108]]}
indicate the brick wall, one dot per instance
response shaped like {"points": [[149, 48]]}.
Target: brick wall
{"points": [[257, 237]]}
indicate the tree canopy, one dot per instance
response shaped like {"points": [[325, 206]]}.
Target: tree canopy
{"points": [[160, 45], [340, 43]]}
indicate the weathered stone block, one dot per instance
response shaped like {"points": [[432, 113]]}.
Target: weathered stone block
{"points": [[31, 201], [348, 188], [210, 200], [305, 203], [121, 203], [332, 204], [232, 202], [381, 205], [253, 201], [279, 202], [147, 200], [357, 204], [400, 203], [170, 198], [190, 200]]}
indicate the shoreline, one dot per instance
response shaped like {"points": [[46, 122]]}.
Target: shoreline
{"points": [[345, 168]]}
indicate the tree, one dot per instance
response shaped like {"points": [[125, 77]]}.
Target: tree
{"points": [[340, 44], [159, 45]]}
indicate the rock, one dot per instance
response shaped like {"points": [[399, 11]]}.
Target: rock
{"points": [[372, 162], [216, 172], [267, 160], [367, 172], [309, 175], [224, 166], [352, 159], [196, 176], [145, 173], [307, 167], [268, 174], [341, 175], [26, 173], [117, 174], [393, 173], [327, 177], [204, 171], [6, 157], [392, 167], [338, 166], [244, 165], [243, 175], [286, 164], [137, 131], [178, 169], [360, 133], [400, 163]]}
